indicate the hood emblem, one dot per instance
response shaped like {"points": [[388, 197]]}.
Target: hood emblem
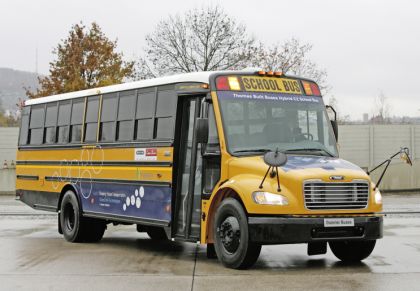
{"points": [[337, 178]]}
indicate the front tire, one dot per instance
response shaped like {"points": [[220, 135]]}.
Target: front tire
{"points": [[76, 228], [352, 251], [231, 242]]}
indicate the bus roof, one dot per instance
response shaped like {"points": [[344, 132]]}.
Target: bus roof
{"points": [[200, 77]]}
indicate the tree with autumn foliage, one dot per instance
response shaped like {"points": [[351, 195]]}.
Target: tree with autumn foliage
{"points": [[85, 59]]}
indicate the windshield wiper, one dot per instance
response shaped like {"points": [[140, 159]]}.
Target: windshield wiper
{"points": [[252, 151], [310, 150]]}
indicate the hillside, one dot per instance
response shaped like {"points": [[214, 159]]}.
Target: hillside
{"points": [[12, 83]]}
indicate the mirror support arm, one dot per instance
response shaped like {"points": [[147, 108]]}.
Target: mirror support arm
{"points": [[388, 162]]}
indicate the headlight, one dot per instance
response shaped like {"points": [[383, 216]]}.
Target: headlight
{"points": [[378, 197], [269, 198]]}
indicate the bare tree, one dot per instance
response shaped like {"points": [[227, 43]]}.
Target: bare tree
{"points": [[381, 109], [290, 57], [200, 40]]}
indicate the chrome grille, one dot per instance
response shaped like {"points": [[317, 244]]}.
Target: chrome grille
{"points": [[321, 195]]}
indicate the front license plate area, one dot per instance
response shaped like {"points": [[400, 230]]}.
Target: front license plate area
{"points": [[338, 222]]}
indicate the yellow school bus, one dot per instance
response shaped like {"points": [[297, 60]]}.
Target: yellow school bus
{"points": [[233, 159]]}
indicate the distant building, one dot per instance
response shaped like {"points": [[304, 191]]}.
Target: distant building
{"points": [[365, 117]]}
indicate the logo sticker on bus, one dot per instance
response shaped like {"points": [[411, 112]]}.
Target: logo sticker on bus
{"points": [[145, 154]]}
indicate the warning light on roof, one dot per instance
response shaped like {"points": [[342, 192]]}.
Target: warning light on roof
{"points": [[307, 88], [222, 83], [315, 89], [234, 83], [311, 88]]}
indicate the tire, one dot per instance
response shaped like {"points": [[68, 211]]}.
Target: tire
{"points": [[156, 233], [76, 228], [352, 251], [231, 242]]}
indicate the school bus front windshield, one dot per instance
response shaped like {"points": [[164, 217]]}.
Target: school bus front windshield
{"points": [[260, 121]]}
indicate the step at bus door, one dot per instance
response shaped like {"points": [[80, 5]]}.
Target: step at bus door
{"points": [[187, 212]]}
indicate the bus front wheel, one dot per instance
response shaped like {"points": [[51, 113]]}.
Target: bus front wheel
{"points": [[231, 242], [76, 228], [352, 251]]}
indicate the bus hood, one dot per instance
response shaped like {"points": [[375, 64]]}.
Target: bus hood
{"points": [[301, 167]]}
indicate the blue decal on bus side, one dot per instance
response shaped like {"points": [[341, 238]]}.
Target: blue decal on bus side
{"points": [[148, 202], [316, 162]]}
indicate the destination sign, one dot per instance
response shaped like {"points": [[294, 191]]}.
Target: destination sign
{"points": [[267, 84]]}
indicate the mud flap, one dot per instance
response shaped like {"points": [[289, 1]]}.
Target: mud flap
{"points": [[317, 248]]}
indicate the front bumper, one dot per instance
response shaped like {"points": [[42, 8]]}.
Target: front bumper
{"points": [[288, 230]]}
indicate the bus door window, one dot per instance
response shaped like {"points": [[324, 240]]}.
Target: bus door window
{"points": [[187, 139]]}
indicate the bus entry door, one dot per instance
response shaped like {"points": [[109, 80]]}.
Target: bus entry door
{"points": [[189, 173]]}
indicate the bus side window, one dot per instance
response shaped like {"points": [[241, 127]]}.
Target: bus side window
{"points": [[145, 114], [63, 121], [24, 126], [91, 123], [165, 111], [77, 112], [36, 125], [108, 117], [126, 113], [50, 131]]}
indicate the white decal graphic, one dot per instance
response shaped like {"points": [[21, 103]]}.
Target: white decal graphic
{"points": [[135, 199], [80, 172]]}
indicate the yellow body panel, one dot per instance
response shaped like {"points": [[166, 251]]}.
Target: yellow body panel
{"points": [[90, 163], [244, 175]]}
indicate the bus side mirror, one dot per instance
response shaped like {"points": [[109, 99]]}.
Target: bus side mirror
{"points": [[334, 121], [202, 130], [335, 128]]}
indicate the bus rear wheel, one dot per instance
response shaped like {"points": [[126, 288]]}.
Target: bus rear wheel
{"points": [[76, 228], [352, 251], [231, 242]]}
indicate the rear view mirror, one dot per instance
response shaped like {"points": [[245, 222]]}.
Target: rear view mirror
{"points": [[202, 130], [334, 120], [405, 156], [335, 128]]}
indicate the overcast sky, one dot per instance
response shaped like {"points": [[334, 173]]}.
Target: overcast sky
{"points": [[365, 46]]}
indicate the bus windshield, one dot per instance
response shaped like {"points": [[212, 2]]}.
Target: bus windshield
{"points": [[255, 122]]}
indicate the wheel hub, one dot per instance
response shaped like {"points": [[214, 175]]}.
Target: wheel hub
{"points": [[230, 234]]}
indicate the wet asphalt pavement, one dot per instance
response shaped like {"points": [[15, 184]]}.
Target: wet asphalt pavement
{"points": [[34, 256]]}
